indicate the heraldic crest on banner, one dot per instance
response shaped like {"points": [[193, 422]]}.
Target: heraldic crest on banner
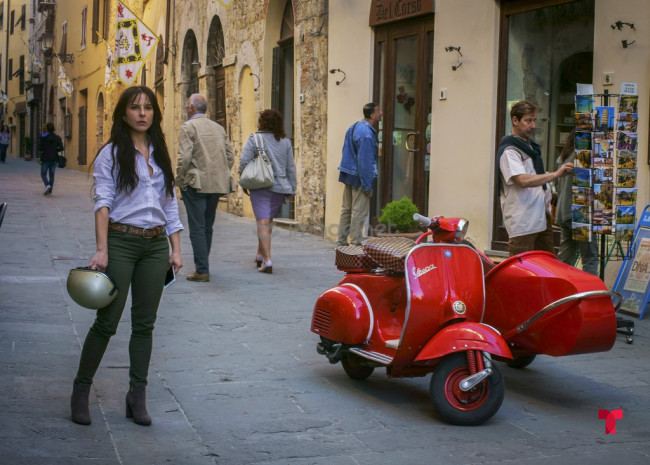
{"points": [[133, 43]]}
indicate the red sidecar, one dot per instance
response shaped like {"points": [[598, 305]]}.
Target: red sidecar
{"points": [[543, 306]]}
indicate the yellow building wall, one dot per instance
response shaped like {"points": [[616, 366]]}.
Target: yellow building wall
{"points": [[348, 24], [631, 64], [17, 47], [463, 125]]}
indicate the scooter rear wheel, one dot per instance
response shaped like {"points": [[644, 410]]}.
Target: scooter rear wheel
{"points": [[356, 367], [458, 407]]}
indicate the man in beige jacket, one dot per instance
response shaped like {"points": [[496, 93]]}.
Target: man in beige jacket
{"points": [[205, 158]]}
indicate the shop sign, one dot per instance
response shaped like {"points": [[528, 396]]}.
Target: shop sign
{"points": [[388, 11]]}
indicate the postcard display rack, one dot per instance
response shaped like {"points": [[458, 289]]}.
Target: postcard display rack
{"points": [[605, 174]]}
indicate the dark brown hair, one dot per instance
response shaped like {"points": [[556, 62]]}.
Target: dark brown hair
{"points": [[523, 108], [271, 121]]}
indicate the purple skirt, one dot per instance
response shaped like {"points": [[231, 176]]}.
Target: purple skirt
{"points": [[266, 204]]}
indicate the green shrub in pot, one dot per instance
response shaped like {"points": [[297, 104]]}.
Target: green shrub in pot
{"points": [[398, 216]]}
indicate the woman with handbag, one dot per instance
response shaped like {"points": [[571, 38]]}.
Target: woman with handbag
{"points": [[269, 142]]}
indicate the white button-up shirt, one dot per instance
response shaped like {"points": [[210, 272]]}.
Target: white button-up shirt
{"points": [[147, 205]]}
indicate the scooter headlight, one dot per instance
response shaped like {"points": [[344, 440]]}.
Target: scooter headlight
{"points": [[461, 230], [459, 307]]}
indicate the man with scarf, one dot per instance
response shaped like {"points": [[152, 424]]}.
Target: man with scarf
{"points": [[525, 195]]}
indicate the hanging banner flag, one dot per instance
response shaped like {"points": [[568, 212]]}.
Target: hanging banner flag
{"points": [[63, 82], [111, 78], [133, 43], [226, 3]]}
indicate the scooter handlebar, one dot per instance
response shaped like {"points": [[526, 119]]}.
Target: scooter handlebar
{"points": [[423, 220]]}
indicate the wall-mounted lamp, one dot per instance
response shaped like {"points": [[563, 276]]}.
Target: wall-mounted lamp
{"points": [[337, 70], [258, 81], [619, 25], [459, 63], [47, 44]]}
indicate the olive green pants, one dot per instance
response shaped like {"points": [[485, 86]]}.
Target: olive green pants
{"points": [[140, 264]]}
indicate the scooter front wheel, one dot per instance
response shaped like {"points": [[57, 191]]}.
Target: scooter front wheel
{"points": [[465, 408], [356, 367]]}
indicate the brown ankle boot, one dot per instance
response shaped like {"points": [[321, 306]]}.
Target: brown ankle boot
{"points": [[79, 403], [136, 405]]}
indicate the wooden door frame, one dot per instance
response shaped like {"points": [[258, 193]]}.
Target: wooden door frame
{"points": [[386, 34], [508, 8]]}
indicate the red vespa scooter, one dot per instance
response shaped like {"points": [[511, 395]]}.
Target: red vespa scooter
{"points": [[416, 309]]}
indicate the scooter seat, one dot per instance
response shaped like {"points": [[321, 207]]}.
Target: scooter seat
{"points": [[388, 252], [352, 258]]}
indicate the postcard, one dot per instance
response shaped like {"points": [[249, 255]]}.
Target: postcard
{"points": [[626, 160], [625, 214], [582, 158], [581, 232], [626, 178], [582, 177], [603, 196], [603, 173], [624, 232], [627, 122], [603, 217], [605, 229], [581, 213], [584, 104], [626, 196], [626, 141], [628, 103], [581, 195], [584, 122], [583, 140], [603, 142], [604, 118]]}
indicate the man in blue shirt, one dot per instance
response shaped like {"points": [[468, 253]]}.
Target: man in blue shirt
{"points": [[358, 170]]}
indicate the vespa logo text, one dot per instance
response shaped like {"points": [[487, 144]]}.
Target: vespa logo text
{"points": [[610, 419], [421, 271]]}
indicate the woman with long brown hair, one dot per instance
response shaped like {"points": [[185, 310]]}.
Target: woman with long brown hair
{"points": [[136, 211]]}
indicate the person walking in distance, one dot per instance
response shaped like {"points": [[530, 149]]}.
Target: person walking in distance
{"points": [[358, 170], [49, 148], [525, 195], [136, 220], [5, 138], [203, 175]]}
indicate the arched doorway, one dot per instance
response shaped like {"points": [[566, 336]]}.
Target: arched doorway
{"points": [[190, 65], [283, 71], [217, 78]]}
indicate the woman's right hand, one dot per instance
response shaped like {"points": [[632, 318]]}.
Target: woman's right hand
{"points": [[99, 261]]}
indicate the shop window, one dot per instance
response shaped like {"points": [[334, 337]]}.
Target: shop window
{"points": [[546, 49], [2, 15]]}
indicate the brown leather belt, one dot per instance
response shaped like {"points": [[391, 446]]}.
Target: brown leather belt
{"points": [[148, 233]]}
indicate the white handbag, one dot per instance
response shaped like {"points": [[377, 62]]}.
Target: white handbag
{"points": [[258, 174]]}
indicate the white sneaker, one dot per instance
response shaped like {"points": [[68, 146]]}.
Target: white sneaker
{"points": [[48, 190]]}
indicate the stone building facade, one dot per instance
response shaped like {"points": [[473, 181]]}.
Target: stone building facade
{"points": [[253, 56]]}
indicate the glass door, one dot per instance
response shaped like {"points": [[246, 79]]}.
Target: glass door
{"points": [[403, 89]]}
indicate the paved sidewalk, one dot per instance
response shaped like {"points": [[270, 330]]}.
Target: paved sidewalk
{"points": [[235, 378]]}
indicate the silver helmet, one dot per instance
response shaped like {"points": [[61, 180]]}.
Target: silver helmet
{"points": [[91, 288]]}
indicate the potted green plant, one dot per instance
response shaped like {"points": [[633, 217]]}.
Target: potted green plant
{"points": [[397, 219]]}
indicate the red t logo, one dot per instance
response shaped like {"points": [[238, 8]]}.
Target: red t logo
{"points": [[610, 419]]}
